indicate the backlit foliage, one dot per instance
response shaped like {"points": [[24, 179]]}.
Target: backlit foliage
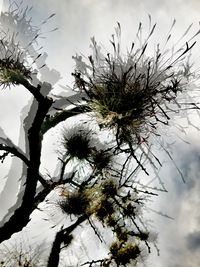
{"points": [[97, 181]]}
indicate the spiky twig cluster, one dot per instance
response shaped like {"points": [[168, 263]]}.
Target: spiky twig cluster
{"points": [[13, 66], [20, 254], [79, 142], [116, 207], [133, 93]]}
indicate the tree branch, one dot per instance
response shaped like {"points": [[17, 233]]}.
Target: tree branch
{"points": [[18, 154], [59, 239], [40, 197], [20, 218], [60, 116], [35, 91], [15, 152]]}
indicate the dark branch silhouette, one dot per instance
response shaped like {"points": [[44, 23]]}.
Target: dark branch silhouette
{"points": [[21, 216]]}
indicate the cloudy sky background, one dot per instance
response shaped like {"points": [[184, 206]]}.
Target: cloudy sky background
{"points": [[78, 21]]}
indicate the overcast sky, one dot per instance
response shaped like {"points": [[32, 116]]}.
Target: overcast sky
{"points": [[78, 21]]}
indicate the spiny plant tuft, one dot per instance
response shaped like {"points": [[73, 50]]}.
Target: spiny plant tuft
{"points": [[13, 66], [123, 252], [75, 203], [77, 142], [135, 92]]}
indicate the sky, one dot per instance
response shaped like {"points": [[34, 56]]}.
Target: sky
{"points": [[77, 22]]}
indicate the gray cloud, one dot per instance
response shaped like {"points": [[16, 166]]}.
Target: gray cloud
{"points": [[193, 240], [179, 240]]}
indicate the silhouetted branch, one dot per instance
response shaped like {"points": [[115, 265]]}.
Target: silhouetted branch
{"points": [[48, 187], [15, 152], [54, 256], [94, 262], [21, 215], [95, 230], [52, 121], [35, 91]]}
